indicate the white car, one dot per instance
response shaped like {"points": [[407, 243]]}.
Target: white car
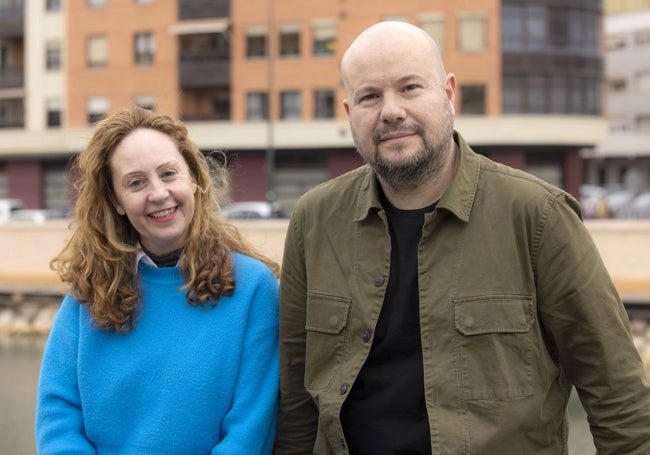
{"points": [[251, 210]]}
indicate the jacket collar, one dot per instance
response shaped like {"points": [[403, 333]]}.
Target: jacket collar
{"points": [[458, 199]]}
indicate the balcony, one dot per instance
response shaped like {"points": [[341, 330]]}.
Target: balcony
{"points": [[11, 18], [202, 9], [204, 73], [12, 113], [11, 78]]}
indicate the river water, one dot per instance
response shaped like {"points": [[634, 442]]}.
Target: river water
{"points": [[19, 367]]}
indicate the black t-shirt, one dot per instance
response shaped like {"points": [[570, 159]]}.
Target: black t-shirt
{"points": [[385, 412]]}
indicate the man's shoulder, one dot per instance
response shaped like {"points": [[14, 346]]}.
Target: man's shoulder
{"points": [[515, 180], [341, 188]]}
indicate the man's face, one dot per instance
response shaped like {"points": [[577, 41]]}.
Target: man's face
{"points": [[401, 112]]}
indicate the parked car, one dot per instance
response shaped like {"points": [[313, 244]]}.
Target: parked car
{"points": [[8, 207], [252, 210], [639, 207]]}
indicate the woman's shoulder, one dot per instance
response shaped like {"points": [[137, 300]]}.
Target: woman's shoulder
{"points": [[250, 266]]}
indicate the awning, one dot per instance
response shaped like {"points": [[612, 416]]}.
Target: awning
{"points": [[196, 26]]}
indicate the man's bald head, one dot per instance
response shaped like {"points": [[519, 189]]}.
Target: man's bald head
{"points": [[389, 37]]}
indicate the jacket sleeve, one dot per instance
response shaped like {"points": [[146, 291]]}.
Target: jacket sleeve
{"points": [[582, 312], [59, 427], [298, 415], [249, 426]]}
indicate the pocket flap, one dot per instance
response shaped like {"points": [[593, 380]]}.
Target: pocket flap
{"points": [[493, 314], [327, 313]]}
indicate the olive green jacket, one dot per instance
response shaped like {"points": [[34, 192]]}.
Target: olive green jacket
{"points": [[515, 307]]}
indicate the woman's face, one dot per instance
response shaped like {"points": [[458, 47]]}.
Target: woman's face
{"points": [[153, 187]]}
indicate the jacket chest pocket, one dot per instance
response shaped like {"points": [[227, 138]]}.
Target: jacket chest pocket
{"points": [[326, 318], [495, 346]]}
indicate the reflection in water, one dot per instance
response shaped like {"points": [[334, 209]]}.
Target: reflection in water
{"points": [[19, 367]]}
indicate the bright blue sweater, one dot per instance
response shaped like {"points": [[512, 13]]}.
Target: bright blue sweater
{"points": [[187, 380]]}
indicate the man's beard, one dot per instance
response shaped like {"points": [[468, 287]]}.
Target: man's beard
{"points": [[424, 164]]}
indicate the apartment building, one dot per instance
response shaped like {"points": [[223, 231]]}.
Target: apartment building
{"points": [[259, 81], [622, 159]]}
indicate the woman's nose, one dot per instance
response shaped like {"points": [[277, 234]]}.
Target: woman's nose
{"points": [[158, 190]]}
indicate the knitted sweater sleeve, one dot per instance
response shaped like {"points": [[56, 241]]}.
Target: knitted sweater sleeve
{"points": [[59, 425], [249, 426]]}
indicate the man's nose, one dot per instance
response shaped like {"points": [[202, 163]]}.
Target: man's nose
{"points": [[392, 109]]}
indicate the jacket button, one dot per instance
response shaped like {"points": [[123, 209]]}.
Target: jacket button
{"points": [[365, 336], [343, 389], [379, 280]]}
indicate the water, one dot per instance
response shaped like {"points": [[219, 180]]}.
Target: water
{"points": [[19, 368]]}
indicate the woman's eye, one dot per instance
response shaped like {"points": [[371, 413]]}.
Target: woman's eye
{"points": [[169, 173], [135, 183]]}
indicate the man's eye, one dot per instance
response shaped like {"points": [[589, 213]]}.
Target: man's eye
{"points": [[368, 97]]}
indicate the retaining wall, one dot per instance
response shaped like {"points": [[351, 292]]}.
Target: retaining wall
{"points": [[26, 249]]}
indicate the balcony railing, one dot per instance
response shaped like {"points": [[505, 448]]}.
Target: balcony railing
{"points": [[11, 78], [203, 9], [204, 73]]}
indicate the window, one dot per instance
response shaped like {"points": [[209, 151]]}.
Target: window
{"points": [[221, 105], [643, 81], [53, 56], [324, 33], [618, 84], [54, 113], [643, 123], [512, 28], [290, 105], [289, 40], [97, 108], [256, 41], [434, 25], [616, 42], [513, 91], [472, 99], [642, 37], [558, 94], [96, 3], [536, 20], [52, 5], [257, 106], [537, 95], [472, 32], [96, 51], [145, 102], [324, 104], [144, 48]]}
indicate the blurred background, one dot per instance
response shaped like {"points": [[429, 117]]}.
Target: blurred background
{"points": [[559, 88]]}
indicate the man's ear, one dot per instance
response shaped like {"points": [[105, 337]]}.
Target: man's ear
{"points": [[450, 90]]}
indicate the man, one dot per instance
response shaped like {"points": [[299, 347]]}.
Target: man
{"points": [[434, 301]]}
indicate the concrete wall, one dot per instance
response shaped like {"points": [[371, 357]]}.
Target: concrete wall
{"points": [[26, 249]]}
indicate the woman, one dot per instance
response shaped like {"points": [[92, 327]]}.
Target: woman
{"points": [[167, 343]]}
